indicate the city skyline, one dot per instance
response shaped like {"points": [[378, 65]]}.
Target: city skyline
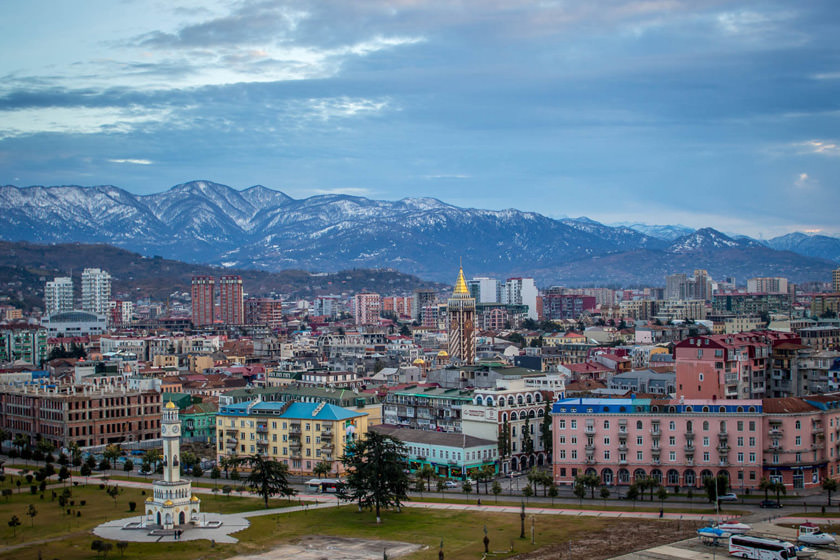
{"points": [[722, 114]]}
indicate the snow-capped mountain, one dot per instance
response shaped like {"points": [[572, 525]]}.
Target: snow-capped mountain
{"points": [[820, 246], [205, 222], [667, 232]]}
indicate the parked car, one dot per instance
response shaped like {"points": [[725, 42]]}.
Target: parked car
{"points": [[728, 497], [770, 504], [450, 484]]}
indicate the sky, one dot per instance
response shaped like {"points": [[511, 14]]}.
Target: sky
{"points": [[701, 113]]}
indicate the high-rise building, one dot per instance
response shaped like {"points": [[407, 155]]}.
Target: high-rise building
{"points": [[835, 280], [231, 306], [203, 292], [366, 308], [96, 291], [484, 290], [422, 300], [120, 313], [264, 311], [461, 317], [58, 295], [775, 285], [522, 291]]}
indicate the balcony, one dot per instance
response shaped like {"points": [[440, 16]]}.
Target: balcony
{"points": [[326, 445], [590, 460], [656, 462], [655, 432], [655, 451], [262, 428], [622, 447], [776, 432], [723, 462], [689, 462], [622, 461], [689, 449], [723, 448], [689, 435], [589, 430], [589, 447]]}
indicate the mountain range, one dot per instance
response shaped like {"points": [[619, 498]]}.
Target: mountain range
{"points": [[265, 229]]}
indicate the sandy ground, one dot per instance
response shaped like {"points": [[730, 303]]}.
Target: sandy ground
{"points": [[316, 547]]}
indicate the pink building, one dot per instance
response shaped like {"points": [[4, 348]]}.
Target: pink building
{"points": [[681, 442], [366, 308], [231, 306], [203, 295], [725, 366]]}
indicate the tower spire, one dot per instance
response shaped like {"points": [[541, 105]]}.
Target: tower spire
{"points": [[461, 284]]}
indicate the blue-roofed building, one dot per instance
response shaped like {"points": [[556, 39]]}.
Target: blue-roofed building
{"points": [[299, 434]]}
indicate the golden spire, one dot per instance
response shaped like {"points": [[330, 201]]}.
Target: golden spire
{"points": [[461, 284]]}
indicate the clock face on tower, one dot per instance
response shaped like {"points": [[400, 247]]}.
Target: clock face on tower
{"points": [[163, 430], [175, 429]]}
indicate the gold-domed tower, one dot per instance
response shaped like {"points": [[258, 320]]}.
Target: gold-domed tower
{"points": [[461, 316]]}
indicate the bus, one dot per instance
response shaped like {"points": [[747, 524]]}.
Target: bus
{"points": [[761, 548], [324, 485]]}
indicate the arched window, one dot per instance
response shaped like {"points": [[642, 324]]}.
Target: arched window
{"points": [[689, 409], [689, 426], [798, 425], [751, 409], [739, 409], [511, 402], [705, 425], [504, 417], [479, 401], [638, 424], [721, 409], [528, 398], [520, 400], [514, 416], [705, 409], [538, 398], [672, 425], [490, 401], [540, 413]]}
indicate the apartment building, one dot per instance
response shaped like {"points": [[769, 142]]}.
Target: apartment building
{"points": [[96, 291], [88, 416], [425, 407], [295, 433]]}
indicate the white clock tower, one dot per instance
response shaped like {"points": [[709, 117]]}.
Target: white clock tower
{"points": [[172, 503]]}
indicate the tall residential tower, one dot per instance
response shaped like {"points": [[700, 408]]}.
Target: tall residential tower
{"points": [[461, 316]]}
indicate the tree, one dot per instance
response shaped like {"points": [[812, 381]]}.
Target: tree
{"points": [[662, 494], [440, 484], [322, 468], [579, 490], [122, 545], [111, 454], [552, 492], [467, 487], [605, 493], [527, 440], [215, 474], [267, 477], [197, 471], [426, 473], [591, 481], [128, 466], [527, 491], [376, 472], [63, 473], [85, 471], [633, 493], [14, 523], [779, 488], [497, 489], [32, 512], [152, 456], [504, 440], [715, 486], [545, 430], [44, 447], [829, 485], [113, 492], [765, 485]]}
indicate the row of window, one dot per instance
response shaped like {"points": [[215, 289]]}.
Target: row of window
{"points": [[672, 425]]}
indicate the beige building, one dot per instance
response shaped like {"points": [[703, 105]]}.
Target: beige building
{"points": [[299, 434]]}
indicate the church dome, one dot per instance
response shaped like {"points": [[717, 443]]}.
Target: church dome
{"points": [[170, 404], [443, 354]]}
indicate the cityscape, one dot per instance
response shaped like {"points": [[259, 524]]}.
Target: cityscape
{"points": [[421, 280]]}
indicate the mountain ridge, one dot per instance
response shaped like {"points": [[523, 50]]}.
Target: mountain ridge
{"points": [[265, 229]]}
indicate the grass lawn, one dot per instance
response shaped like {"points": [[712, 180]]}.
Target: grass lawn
{"points": [[462, 533], [53, 522]]}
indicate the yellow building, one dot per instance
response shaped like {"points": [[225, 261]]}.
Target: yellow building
{"points": [[299, 434]]}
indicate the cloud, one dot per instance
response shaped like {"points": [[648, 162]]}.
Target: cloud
{"points": [[823, 147], [78, 120], [803, 181], [447, 176], [353, 191], [132, 161], [341, 107]]}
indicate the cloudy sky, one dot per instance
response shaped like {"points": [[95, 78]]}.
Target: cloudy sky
{"points": [[711, 112]]}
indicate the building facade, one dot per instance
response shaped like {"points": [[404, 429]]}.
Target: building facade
{"points": [[461, 317], [298, 434], [96, 291], [231, 306], [203, 295], [366, 308], [58, 295]]}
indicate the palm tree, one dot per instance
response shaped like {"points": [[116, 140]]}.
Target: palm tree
{"points": [[829, 485], [779, 488], [267, 477], [4, 435], [322, 468], [766, 485], [426, 473]]}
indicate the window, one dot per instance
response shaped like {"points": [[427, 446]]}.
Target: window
{"points": [[740, 425], [606, 454], [740, 441], [752, 441], [574, 453], [706, 441], [706, 424], [672, 456], [640, 440], [638, 424], [752, 425], [562, 440], [672, 440], [640, 456], [672, 425], [706, 456], [798, 457], [574, 425], [606, 440], [798, 425], [740, 457], [752, 457], [606, 424], [562, 424], [562, 453], [776, 458], [574, 440], [798, 440]]}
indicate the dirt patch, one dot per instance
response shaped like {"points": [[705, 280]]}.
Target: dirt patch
{"points": [[319, 547], [618, 538]]}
